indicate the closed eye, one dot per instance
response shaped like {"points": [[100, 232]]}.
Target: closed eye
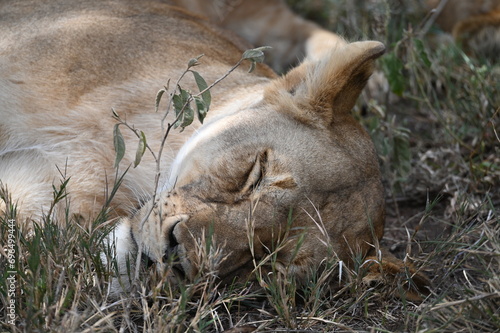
{"points": [[256, 174]]}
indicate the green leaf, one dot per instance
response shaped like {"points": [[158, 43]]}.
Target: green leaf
{"points": [[178, 104], [119, 144], [202, 85], [159, 94], [255, 54], [201, 108], [252, 67], [187, 117], [421, 52], [194, 61], [393, 69], [183, 108], [140, 149]]}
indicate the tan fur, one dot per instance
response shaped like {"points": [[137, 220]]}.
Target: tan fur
{"points": [[269, 146]]}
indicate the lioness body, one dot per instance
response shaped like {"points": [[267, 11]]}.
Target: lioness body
{"points": [[277, 160]]}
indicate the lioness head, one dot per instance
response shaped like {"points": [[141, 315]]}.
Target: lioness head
{"points": [[294, 165]]}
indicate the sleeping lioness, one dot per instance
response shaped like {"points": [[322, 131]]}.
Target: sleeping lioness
{"points": [[275, 155]]}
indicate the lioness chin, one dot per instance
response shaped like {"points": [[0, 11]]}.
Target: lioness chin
{"points": [[275, 157]]}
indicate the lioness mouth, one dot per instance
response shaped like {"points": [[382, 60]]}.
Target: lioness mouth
{"points": [[177, 269], [171, 256]]}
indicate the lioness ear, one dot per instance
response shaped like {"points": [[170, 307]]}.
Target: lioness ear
{"points": [[329, 87]]}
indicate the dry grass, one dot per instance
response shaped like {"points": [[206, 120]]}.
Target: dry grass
{"points": [[439, 148]]}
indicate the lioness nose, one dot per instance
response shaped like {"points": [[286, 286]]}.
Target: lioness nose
{"points": [[171, 256], [172, 240], [172, 244]]}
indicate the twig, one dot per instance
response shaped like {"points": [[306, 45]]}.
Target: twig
{"points": [[435, 13], [325, 321], [475, 298]]}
